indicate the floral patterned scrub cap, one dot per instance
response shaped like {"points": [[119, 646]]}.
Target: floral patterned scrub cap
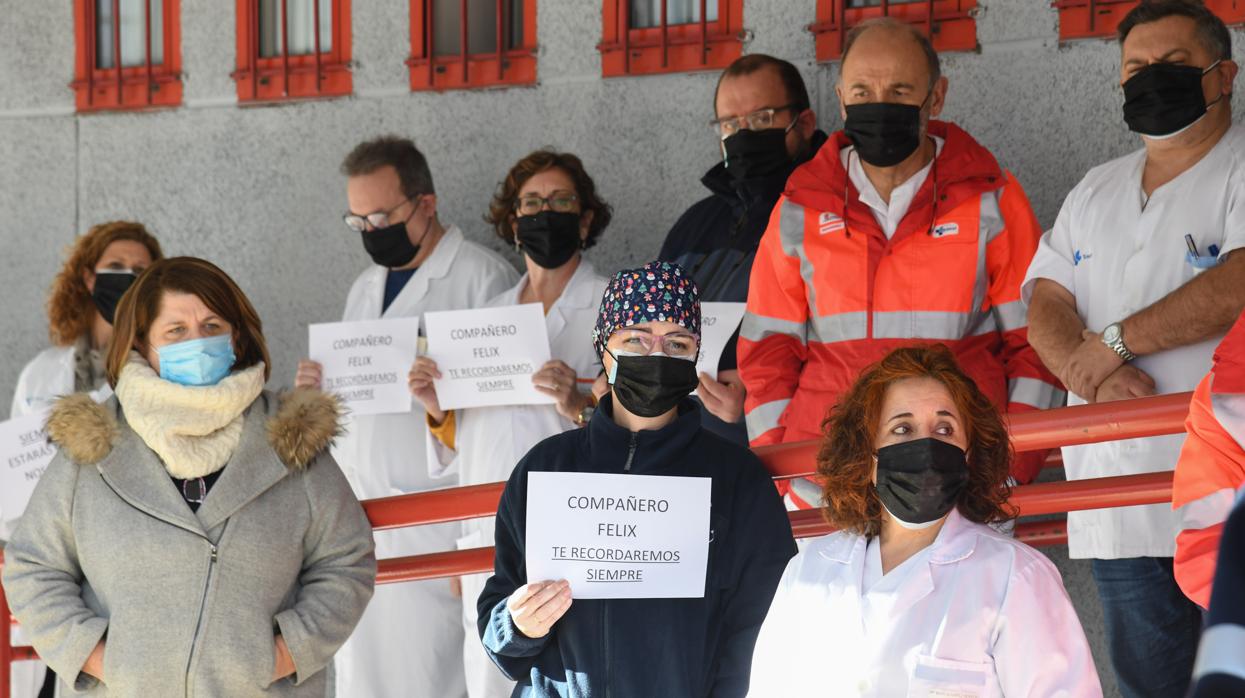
{"points": [[656, 292]]}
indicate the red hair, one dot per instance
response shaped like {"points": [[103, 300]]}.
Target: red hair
{"points": [[845, 460]]}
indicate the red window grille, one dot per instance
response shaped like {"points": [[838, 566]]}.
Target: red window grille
{"points": [[643, 37], [293, 49], [1084, 19], [472, 43], [128, 54], [950, 24]]}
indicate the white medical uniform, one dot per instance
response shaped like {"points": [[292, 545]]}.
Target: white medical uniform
{"points": [[489, 441], [46, 377], [1117, 257], [976, 614], [409, 641]]}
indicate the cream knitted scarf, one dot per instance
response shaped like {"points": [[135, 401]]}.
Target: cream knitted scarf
{"points": [[193, 429]]}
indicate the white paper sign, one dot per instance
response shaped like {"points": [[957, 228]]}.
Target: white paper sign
{"points": [[619, 536], [25, 453], [718, 322], [487, 356], [366, 363]]}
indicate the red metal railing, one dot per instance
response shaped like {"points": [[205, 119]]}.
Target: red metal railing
{"points": [[1065, 426]]}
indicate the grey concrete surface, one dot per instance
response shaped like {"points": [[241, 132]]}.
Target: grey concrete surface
{"points": [[256, 188]]}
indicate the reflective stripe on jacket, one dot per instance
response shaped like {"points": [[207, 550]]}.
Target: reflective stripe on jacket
{"points": [[830, 294], [1211, 466]]}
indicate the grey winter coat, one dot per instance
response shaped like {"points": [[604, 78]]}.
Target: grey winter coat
{"points": [[188, 602]]}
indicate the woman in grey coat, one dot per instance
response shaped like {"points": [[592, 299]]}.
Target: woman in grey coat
{"points": [[193, 537]]}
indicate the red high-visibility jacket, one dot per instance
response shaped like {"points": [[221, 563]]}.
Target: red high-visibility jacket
{"points": [[1211, 466], [829, 294]]}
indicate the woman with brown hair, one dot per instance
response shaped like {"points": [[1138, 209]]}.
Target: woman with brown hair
{"points": [[915, 594], [193, 535], [549, 210], [100, 266]]}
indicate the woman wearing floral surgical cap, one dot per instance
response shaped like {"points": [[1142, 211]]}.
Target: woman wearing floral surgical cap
{"points": [[648, 336]]}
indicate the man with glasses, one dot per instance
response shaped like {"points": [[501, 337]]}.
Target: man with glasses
{"points": [[902, 229], [764, 128], [410, 639]]}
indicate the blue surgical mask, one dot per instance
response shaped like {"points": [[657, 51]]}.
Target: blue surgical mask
{"points": [[197, 361]]}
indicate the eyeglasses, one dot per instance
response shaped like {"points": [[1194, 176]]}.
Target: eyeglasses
{"points": [[758, 120], [560, 201], [379, 219], [680, 345]]}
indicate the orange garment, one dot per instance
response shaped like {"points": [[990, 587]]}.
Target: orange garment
{"points": [[1211, 466], [830, 294]]}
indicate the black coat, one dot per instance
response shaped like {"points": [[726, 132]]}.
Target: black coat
{"points": [[646, 647], [716, 240]]}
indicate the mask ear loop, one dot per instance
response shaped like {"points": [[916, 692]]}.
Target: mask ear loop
{"points": [[1206, 72]]}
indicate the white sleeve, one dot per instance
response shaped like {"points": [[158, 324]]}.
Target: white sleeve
{"points": [[1039, 646], [1055, 256]]}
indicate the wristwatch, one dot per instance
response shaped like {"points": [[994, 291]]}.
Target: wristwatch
{"points": [[1113, 337], [584, 415]]}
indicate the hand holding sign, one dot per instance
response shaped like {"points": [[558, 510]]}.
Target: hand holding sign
{"points": [[421, 382], [535, 607]]}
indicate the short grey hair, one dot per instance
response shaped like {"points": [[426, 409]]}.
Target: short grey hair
{"points": [[927, 47]]}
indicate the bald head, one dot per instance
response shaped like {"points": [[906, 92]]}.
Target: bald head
{"points": [[900, 41]]}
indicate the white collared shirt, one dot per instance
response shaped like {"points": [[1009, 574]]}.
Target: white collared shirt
{"points": [[1118, 258], [888, 215], [980, 615]]}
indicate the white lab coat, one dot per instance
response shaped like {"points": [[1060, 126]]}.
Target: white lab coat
{"points": [[981, 615], [49, 375], [1116, 258], [489, 441], [409, 641]]}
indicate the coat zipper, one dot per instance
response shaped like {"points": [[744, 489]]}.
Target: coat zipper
{"points": [[207, 584], [605, 642], [631, 452]]}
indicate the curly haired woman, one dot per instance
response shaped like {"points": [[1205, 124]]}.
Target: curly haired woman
{"points": [[915, 595]]}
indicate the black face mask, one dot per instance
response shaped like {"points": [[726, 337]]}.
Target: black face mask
{"points": [[549, 238], [650, 386], [109, 287], [1163, 99], [752, 154], [390, 246], [884, 133], [919, 481]]}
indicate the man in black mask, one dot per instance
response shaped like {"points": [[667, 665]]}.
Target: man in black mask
{"points": [[417, 265], [1130, 292], [764, 129], [902, 228]]}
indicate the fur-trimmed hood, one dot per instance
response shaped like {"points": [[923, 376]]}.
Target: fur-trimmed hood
{"points": [[304, 424]]}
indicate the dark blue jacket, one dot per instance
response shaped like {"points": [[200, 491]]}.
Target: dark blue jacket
{"points": [[716, 240], [1220, 669], [646, 648]]}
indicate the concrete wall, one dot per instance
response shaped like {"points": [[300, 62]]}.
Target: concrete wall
{"points": [[256, 189]]}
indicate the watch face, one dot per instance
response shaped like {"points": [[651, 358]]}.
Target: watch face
{"points": [[1111, 335]]}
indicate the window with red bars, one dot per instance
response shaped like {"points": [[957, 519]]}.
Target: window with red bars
{"points": [[643, 37], [128, 54], [472, 43], [1083, 19], [293, 49], [950, 24]]}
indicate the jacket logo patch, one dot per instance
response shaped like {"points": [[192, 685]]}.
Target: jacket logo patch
{"points": [[829, 223], [946, 230], [1078, 257]]}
